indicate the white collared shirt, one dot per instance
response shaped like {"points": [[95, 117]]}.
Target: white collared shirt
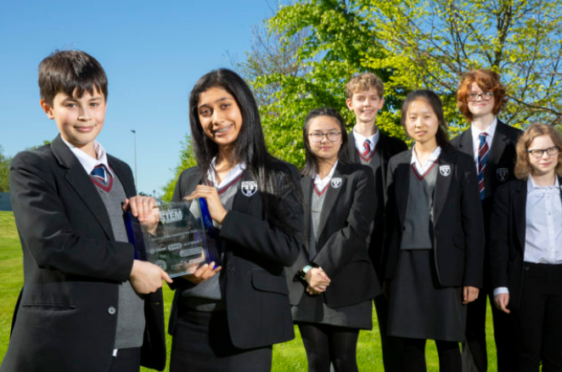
{"points": [[360, 140], [491, 131], [422, 168], [322, 183], [231, 176], [89, 163], [543, 225]]}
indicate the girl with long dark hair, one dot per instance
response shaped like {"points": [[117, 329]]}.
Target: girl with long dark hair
{"points": [[333, 281], [435, 237], [226, 319]]}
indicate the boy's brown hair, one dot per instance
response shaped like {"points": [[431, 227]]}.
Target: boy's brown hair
{"points": [[70, 72], [488, 81], [364, 82], [522, 166]]}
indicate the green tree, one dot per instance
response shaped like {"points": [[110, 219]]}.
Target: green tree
{"points": [[411, 44], [187, 160], [4, 171]]}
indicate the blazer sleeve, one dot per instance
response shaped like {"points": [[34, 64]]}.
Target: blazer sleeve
{"points": [[392, 222], [499, 238], [472, 221], [262, 237], [48, 234], [343, 244]]}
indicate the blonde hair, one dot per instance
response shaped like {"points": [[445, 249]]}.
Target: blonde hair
{"points": [[364, 82], [523, 166]]}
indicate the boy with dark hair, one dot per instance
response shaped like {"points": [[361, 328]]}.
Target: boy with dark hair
{"points": [[367, 145], [86, 304]]}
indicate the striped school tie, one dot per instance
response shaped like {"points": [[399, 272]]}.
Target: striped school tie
{"points": [[482, 160], [367, 146]]}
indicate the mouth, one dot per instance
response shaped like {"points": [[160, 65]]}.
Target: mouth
{"points": [[84, 129], [223, 130], [420, 133]]}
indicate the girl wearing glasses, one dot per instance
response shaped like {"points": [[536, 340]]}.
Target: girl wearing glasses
{"points": [[491, 144], [333, 281], [435, 237], [227, 320], [526, 250]]}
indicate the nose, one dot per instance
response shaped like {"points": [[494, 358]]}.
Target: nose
{"points": [[83, 113], [217, 117], [324, 138]]}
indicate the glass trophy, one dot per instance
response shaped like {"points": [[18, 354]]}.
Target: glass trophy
{"points": [[183, 240]]}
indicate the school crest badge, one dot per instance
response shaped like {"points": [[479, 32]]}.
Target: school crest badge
{"points": [[445, 170], [501, 174], [249, 188], [336, 182]]}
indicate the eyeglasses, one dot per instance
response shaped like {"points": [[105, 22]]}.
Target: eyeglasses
{"points": [[486, 96], [538, 153], [331, 136]]}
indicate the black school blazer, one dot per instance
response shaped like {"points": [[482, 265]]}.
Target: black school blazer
{"points": [[507, 243], [500, 164], [65, 319], [345, 222], [387, 147], [458, 228], [256, 253]]}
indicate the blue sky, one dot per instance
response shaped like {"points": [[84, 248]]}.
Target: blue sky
{"points": [[153, 53]]}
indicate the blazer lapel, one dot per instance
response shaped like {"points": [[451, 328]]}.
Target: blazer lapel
{"points": [[334, 189], [306, 186], [351, 149], [519, 209], [465, 144], [498, 147], [402, 188], [82, 184], [445, 174]]}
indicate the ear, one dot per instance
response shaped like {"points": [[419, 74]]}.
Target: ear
{"points": [[381, 103], [348, 103], [47, 108]]}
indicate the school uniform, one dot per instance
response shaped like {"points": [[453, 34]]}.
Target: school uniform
{"points": [[77, 306], [337, 225], [501, 140], [434, 244], [382, 148], [232, 326], [526, 259]]}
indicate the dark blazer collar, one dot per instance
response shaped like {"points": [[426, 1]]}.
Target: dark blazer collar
{"points": [[81, 183], [465, 143], [446, 171], [351, 150], [499, 142]]}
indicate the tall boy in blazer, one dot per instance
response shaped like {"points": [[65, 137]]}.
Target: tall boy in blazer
{"points": [[365, 98], [87, 304], [480, 98]]}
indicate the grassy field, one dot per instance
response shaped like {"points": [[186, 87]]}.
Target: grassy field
{"points": [[287, 357]]}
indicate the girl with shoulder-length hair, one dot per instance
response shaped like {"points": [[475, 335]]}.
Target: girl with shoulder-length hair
{"points": [[526, 250], [434, 240], [333, 281], [227, 320]]}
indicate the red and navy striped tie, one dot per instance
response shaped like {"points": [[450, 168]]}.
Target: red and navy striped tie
{"points": [[482, 160], [367, 146]]}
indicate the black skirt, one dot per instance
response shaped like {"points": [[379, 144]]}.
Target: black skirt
{"points": [[202, 343], [419, 307]]}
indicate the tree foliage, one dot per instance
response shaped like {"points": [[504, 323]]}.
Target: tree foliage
{"points": [[410, 44], [187, 160], [4, 171]]}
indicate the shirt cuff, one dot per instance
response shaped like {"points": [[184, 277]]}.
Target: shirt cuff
{"points": [[500, 290]]}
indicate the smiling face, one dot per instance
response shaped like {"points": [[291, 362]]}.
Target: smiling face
{"points": [[220, 116], [480, 107], [546, 163], [365, 105], [325, 149], [421, 122], [79, 119]]}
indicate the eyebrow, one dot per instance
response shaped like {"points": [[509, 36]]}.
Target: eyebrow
{"points": [[217, 101]]}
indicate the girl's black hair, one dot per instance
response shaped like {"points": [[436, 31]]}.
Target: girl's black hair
{"points": [[442, 137], [311, 162], [249, 147]]}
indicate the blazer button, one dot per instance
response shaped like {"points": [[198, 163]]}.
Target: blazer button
{"points": [[111, 310]]}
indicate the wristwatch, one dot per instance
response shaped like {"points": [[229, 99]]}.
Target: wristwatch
{"points": [[304, 270]]}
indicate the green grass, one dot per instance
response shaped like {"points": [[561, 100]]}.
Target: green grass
{"points": [[287, 357]]}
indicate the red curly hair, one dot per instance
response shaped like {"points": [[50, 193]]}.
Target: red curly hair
{"points": [[488, 81]]}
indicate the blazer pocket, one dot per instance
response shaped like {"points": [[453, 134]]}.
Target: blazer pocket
{"points": [[265, 282], [46, 307]]}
